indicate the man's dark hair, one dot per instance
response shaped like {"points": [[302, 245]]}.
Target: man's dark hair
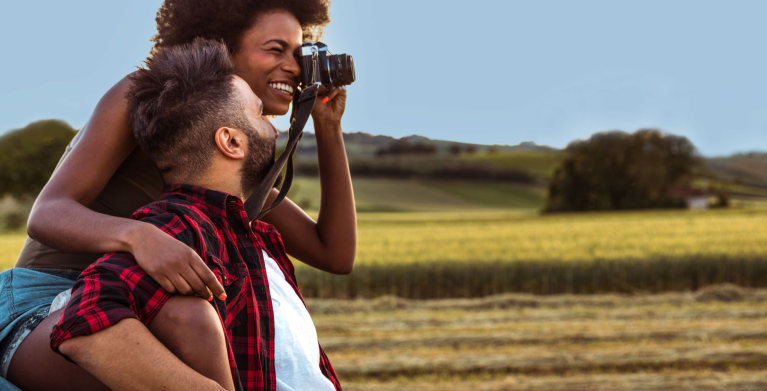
{"points": [[177, 102], [180, 21]]}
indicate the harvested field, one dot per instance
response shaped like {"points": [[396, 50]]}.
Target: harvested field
{"points": [[714, 339]]}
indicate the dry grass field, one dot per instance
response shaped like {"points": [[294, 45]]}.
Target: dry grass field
{"points": [[10, 245], [477, 253], [713, 339], [485, 252]]}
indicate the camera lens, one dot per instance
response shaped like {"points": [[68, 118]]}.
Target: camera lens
{"points": [[341, 69]]}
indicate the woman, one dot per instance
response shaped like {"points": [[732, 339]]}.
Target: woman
{"points": [[102, 178]]}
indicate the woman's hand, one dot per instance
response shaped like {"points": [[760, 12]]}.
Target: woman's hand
{"points": [[330, 242], [174, 265], [329, 108]]}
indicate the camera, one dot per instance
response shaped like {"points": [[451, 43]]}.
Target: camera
{"points": [[318, 66]]}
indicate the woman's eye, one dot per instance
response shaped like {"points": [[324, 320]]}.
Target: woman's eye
{"points": [[276, 50]]}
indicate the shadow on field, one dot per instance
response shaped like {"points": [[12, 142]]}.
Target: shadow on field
{"points": [[714, 293], [455, 279]]}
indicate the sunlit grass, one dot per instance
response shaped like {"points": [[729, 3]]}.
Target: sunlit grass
{"points": [[479, 252], [10, 245], [516, 236], [465, 254]]}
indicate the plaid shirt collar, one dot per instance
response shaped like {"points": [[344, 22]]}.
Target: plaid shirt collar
{"points": [[210, 202]]}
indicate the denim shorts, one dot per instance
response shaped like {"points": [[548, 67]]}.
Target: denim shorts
{"points": [[26, 296]]}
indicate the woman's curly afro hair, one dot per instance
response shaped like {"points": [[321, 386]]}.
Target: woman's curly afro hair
{"points": [[181, 21]]}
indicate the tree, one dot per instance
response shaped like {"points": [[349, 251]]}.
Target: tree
{"points": [[29, 155], [617, 170], [405, 147]]}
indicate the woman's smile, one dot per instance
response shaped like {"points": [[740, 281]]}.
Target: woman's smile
{"points": [[265, 59]]}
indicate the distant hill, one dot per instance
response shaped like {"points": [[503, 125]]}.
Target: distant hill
{"points": [[748, 169], [419, 173], [415, 156], [526, 164], [366, 144]]}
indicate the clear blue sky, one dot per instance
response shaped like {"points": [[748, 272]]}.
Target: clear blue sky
{"points": [[476, 71]]}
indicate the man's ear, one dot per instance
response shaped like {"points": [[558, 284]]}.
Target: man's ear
{"points": [[231, 142]]}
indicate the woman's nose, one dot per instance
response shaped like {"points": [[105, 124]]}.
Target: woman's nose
{"points": [[291, 65]]}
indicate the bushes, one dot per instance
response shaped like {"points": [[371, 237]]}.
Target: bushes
{"points": [[29, 155], [14, 213], [616, 170]]}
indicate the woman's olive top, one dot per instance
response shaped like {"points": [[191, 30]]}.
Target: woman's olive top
{"points": [[136, 182]]}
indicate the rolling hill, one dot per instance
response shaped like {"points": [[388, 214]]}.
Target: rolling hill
{"points": [[418, 173]]}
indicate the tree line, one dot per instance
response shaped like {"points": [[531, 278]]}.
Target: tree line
{"points": [[29, 155], [609, 171]]}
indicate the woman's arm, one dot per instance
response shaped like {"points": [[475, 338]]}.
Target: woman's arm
{"points": [[330, 243], [60, 218]]}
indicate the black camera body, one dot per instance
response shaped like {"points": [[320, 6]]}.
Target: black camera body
{"points": [[318, 66]]}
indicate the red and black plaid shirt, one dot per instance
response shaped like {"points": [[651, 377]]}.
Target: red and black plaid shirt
{"points": [[216, 226]]}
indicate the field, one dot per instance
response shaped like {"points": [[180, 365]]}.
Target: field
{"points": [[714, 339], [403, 195], [541, 163], [481, 248], [10, 245], [478, 253]]}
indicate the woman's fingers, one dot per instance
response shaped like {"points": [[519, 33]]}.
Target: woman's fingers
{"points": [[196, 283], [181, 285], [332, 94], [176, 266], [330, 107], [209, 280], [200, 279], [166, 284]]}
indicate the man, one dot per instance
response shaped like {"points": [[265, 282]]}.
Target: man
{"points": [[204, 129]]}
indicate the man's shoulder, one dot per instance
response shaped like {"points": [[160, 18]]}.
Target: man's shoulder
{"points": [[174, 215], [167, 207]]}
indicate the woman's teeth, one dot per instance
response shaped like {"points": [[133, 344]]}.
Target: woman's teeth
{"points": [[282, 87]]}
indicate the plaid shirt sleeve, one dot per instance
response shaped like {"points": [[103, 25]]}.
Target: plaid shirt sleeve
{"points": [[115, 288]]}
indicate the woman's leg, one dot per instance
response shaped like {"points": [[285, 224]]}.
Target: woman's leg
{"points": [[189, 327], [35, 366]]}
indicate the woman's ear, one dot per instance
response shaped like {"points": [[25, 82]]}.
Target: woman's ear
{"points": [[231, 142]]}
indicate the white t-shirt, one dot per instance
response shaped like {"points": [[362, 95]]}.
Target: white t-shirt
{"points": [[296, 350]]}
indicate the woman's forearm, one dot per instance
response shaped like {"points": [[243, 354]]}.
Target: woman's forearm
{"points": [[175, 266], [329, 243], [67, 225], [337, 219]]}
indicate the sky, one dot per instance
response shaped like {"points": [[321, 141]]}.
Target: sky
{"points": [[480, 71]]}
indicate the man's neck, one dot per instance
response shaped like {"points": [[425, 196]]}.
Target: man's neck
{"points": [[218, 176]]}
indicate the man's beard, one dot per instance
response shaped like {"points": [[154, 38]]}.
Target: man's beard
{"points": [[258, 162]]}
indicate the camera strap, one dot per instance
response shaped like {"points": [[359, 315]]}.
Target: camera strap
{"points": [[303, 103]]}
